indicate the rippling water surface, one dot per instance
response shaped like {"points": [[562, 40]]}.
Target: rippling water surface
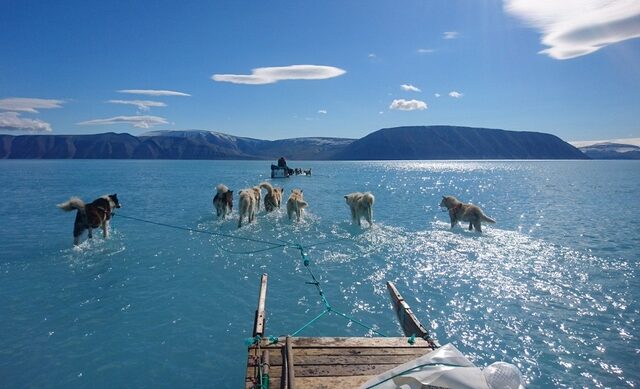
{"points": [[552, 287]]}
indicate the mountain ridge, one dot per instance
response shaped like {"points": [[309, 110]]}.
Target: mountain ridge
{"points": [[409, 142]]}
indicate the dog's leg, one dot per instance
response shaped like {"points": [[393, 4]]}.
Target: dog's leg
{"points": [[470, 226], [240, 221], [369, 216], [478, 226], [105, 229], [77, 232]]}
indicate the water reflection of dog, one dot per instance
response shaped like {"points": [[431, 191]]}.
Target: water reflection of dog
{"points": [[459, 211], [93, 215]]}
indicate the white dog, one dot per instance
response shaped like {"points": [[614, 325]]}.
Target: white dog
{"points": [[361, 205], [296, 204], [249, 204]]}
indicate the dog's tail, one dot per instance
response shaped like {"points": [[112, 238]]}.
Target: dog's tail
{"points": [[73, 203], [222, 188], [368, 198], [268, 187], [486, 218]]}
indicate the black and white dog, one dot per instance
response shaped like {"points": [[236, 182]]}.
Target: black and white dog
{"points": [[92, 215]]}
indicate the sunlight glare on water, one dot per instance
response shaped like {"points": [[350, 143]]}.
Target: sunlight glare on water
{"points": [[553, 293]]}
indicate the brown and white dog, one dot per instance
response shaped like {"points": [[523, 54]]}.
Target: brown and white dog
{"points": [[223, 201], [361, 205], [273, 198], [459, 211], [249, 204], [93, 215], [296, 204]]}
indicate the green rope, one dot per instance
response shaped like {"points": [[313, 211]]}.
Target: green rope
{"points": [[272, 245], [328, 308], [310, 322], [201, 231]]}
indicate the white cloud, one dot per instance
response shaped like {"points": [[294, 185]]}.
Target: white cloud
{"points": [[450, 35], [11, 121], [436, 94], [142, 105], [408, 105], [409, 88], [455, 94], [24, 104], [322, 111], [270, 75], [572, 28], [140, 121], [372, 55], [425, 51], [153, 92]]}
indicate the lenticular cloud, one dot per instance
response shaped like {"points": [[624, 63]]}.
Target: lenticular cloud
{"points": [[572, 28], [408, 105], [270, 75], [140, 121]]}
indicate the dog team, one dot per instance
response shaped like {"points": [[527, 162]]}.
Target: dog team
{"points": [[361, 204], [98, 213]]}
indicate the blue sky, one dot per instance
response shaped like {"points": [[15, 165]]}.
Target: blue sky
{"points": [[323, 68]]}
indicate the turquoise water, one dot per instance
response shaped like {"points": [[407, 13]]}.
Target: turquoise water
{"points": [[552, 287]]}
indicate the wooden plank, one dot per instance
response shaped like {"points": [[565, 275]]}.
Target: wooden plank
{"points": [[259, 324], [360, 342], [410, 324], [291, 378], [339, 351], [330, 370], [343, 351], [308, 360], [333, 382]]}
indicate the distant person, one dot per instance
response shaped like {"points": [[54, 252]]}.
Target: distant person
{"points": [[282, 162]]}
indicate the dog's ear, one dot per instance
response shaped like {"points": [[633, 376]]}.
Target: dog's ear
{"points": [[346, 197], [444, 197], [231, 191]]}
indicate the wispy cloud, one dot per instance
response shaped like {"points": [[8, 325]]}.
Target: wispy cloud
{"points": [[436, 94], [322, 111], [270, 75], [140, 121], [409, 88], [408, 105], [153, 92], [25, 104], [425, 51], [456, 95], [11, 121], [372, 55], [450, 35], [572, 28], [143, 105]]}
